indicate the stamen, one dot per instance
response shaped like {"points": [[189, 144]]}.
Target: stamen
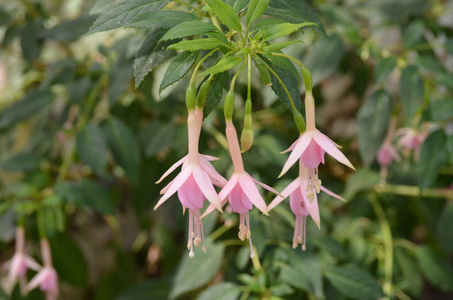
{"points": [[190, 235], [304, 228], [249, 235]]}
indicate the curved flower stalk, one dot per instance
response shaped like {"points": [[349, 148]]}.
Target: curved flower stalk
{"points": [[303, 202], [311, 146], [47, 277], [387, 153], [241, 190], [19, 264]]}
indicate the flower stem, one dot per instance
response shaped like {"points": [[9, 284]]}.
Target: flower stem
{"points": [[192, 79]]}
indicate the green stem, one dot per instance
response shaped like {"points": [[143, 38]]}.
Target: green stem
{"points": [[220, 231], [308, 82], [413, 191], [192, 79], [249, 77]]}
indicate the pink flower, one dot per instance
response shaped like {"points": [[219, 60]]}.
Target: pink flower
{"points": [[410, 139], [303, 202], [195, 183], [311, 147], [47, 277], [19, 264], [387, 154], [241, 190]]}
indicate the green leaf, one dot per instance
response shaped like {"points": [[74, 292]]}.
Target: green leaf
{"points": [[215, 93], [195, 272], [221, 291], [266, 24], [121, 14], [97, 197], [21, 162], [354, 283], [362, 180], [225, 13], [284, 29], [178, 68], [412, 280], [188, 29], [31, 41], [441, 110], [195, 45], [33, 103], [92, 148], [278, 46], [238, 5], [70, 31], [444, 226], [372, 119], [73, 270], [411, 88], [224, 64], [104, 5], [262, 69], [150, 55], [436, 269], [156, 137], [152, 289], [294, 11], [433, 155], [383, 68], [256, 9], [125, 147], [161, 19]]}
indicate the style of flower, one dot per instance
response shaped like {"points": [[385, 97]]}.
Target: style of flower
{"points": [[47, 277], [303, 202], [194, 184], [311, 146], [19, 264], [241, 191]]}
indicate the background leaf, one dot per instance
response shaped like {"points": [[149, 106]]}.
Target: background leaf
{"points": [[433, 155], [189, 28], [436, 269], [92, 147], [178, 68]]}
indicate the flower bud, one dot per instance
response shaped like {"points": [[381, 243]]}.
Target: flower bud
{"points": [[203, 93], [246, 139], [228, 107], [299, 120], [190, 97], [308, 80]]}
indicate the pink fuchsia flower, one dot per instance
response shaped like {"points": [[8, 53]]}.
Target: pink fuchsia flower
{"points": [[47, 277], [410, 139], [303, 202], [194, 184], [19, 264], [311, 146], [387, 154], [241, 191]]}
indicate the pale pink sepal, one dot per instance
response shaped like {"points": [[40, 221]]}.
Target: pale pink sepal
{"points": [[332, 194], [327, 145]]}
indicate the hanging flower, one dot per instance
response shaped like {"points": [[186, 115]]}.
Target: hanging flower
{"points": [[303, 202], [387, 153]]}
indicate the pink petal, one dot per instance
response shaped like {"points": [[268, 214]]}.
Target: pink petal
{"points": [[223, 195], [165, 189], [324, 142], [302, 144], [176, 184], [32, 264], [291, 148], [265, 186], [330, 193], [250, 189], [239, 201], [312, 206], [36, 281], [209, 157], [206, 165], [205, 184], [284, 194], [172, 168]]}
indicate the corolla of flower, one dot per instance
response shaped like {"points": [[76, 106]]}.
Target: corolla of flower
{"points": [[195, 183], [410, 138], [311, 146], [303, 202], [47, 277], [19, 264], [241, 190], [387, 153]]}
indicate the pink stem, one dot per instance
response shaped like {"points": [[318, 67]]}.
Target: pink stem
{"points": [[46, 253], [310, 111], [233, 144], [20, 239], [194, 135]]}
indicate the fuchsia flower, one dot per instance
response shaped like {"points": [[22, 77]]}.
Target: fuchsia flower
{"points": [[241, 189], [17, 267], [311, 147], [47, 277], [303, 202], [387, 154], [410, 139], [195, 183]]}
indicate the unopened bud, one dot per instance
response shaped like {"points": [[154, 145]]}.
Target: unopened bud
{"points": [[191, 97], [308, 80], [246, 139], [228, 107], [299, 120], [203, 93]]}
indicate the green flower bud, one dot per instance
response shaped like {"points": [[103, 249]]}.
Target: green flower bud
{"points": [[203, 93], [300, 121], [191, 97], [228, 107], [308, 80], [246, 139], [248, 114]]}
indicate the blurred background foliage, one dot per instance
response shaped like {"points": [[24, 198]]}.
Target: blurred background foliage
{"points": [[81, 148]]}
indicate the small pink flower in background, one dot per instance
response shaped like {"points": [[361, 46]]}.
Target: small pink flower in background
{"points": [[410, 139], [387, 154], [241, 190], [47, 277], [194, 184], [20, 263], [303, 202]]}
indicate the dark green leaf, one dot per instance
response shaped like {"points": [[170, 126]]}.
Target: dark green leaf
{"points": [[188, 29], [195, 45], [383, 68], [21, 162], [70, 191], [152, 289], [373, 118], [444, 228], [264, 72], [215, 93], [441, 110], [412, 280], [31, 42], [256, 9], [221, 291], [238, 5], [354, 283], [156, 137], [97, 197], [436, 269], [104, 5], [225, 13], [278, 46], [266, 24], [224, 64], [120, 15], [92, 147], [25, 108], [433, 155], [362, 180], [284, 29], [178, 68], [120, 74], [161, 19], [70, 31], [78, 90], [4, 17], [411, 88], [413, 34]]}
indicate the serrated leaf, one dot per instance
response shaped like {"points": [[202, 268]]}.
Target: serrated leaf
{"points": [[412, 92], [433, 155], [354, 283], [262, 69], [195, 45], [225, 13], [21, 162], [278, 46], [195, 272], [221, 291], [444, 226], [435, 268], [70, 31], [188, 29], [104, 5], [178, 68], [160, 19], [294, 11], [256, 9], [224, 64], [215, 93], [150, 55], [92, 148], [123, 13], [284, 29]]}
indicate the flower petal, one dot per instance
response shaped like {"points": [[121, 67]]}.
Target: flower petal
{"points": [[284, 194], [251, 191], [205, 184], [266, 187], [312, 206], [291, 148], [206, 165], [32, 264], [209, 157], [223, 195], [174, 187], [330, 193], [36, 281], [324, 142], [302, 144], [172, 168]]}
